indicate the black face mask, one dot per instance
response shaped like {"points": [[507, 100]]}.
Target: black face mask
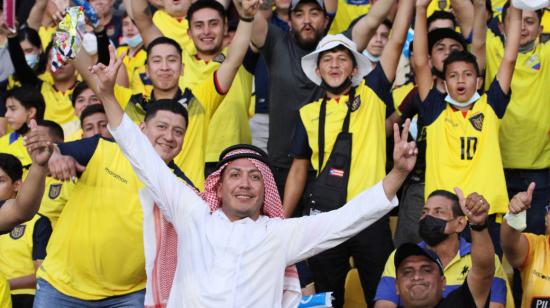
{"points": [[432, 230], [339, 89], [437, 73]]}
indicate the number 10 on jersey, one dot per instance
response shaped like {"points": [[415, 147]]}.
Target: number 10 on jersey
{"points": [[468, 147]]}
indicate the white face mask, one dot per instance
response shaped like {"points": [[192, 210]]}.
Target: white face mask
{"points": [[89, 42], [133, 41], [32, 60], [371, 57], [457, 104]]}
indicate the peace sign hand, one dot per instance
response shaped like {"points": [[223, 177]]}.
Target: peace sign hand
{"points": [[404, 153], [106, 75]]}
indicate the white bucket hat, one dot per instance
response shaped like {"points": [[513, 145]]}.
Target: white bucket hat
{"points": [[309, 61], [530, 5]]}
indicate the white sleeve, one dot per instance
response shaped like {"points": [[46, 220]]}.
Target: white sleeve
{"points": [[310, 235], [172, 196]]}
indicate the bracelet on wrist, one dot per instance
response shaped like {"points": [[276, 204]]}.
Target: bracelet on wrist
{"points": [[480, 227], [246, 19]]}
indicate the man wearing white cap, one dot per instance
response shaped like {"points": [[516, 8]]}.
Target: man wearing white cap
{"points": [[343, 136], [289, 88]]}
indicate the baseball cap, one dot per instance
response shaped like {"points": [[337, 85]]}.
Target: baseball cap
{"points": [[437, 35], [295, 4], [410, 249], [309, 61]]}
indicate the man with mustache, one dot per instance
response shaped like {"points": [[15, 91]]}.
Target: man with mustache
{"points": [[420, 278], [289, 87], [442, 221]]}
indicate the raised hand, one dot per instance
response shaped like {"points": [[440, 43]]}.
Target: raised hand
{"points": [[475, 207], [247, 8], [404, 153], [5, 30], [106, 75], [522, 201], [39, 145]]}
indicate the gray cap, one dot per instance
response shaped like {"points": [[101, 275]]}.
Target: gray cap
{"points": [[295, 3]]}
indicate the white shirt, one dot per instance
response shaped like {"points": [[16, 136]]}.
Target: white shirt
{"points": [[238, 264]]}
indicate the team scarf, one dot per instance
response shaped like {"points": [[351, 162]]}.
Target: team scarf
{"points": [[164, 266]]}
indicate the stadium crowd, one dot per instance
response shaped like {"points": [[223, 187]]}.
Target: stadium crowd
{"points": [[252, 153]]}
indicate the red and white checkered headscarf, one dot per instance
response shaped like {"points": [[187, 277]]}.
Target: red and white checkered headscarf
{"points": [[166, 254], [272, 203]]}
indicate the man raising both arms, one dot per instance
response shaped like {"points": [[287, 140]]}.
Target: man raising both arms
{"points": [[230, 253]]}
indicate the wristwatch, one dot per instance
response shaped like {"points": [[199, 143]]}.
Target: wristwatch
{"points": [[478, 228]]}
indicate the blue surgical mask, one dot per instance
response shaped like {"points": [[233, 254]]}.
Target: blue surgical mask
{"points": [[371, 57], [133, 41], [457, 104], [32, 60]]}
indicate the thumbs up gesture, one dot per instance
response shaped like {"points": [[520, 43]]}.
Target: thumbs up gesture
{"points": [[38, 144], [522, 201]]}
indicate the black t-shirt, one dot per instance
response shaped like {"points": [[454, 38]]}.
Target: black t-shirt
{"points": [[460, 298]]}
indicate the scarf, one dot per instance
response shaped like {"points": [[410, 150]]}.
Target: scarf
{"points": [[163, 268]]}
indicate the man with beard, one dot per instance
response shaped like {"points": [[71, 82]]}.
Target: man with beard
{"points": [[440, 225], [343, 136], [289, 86], [232, 245]]}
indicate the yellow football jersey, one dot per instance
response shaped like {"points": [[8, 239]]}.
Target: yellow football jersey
{"points": [[96, 248], [462, 148], [12, 143], [545, 22], [348, 10], [174, 28], [59, 108], [399, 94], [5, 296], [46, 35], [535, 272], [367, 125], [77, 135], [525, 128], [135, 67], [56, 195], [229, 124], [201, 106], [16, 255]]}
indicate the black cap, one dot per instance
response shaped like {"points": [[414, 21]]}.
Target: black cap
{"points": [[294, 4], [251, 152], [437, 35], [410, 249]]}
